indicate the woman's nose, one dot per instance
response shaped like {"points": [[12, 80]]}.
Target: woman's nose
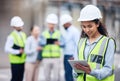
{"points": [[87, 29]]}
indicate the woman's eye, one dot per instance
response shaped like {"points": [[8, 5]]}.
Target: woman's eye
{"points": [[83, 27], [89, 26]]}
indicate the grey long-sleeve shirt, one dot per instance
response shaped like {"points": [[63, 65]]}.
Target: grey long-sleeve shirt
{"points": [[30, 49], [109, 59]]}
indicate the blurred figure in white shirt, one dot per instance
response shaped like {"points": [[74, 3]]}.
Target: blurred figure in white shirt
{"points": [[71, 38]]}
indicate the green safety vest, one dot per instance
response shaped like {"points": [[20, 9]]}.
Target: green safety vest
{"points": [[19, 41], [51, 50], [95, 59]]}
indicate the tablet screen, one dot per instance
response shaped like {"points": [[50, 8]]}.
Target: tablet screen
{"points": [[51, 41], [73, 62]]}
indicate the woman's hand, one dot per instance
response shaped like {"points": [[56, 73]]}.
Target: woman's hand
{"points": [[86, 69], [39, 48]]}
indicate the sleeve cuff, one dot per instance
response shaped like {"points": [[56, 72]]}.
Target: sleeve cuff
{"points": [[92, 73]]}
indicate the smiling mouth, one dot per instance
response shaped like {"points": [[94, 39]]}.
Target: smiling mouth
{"points": [[88, 33]]}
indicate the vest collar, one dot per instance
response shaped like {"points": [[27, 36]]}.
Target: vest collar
{"points": [[88, 43], [17, 32]]}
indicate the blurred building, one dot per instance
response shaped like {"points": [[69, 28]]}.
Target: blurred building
{"points": [[35, 12]]}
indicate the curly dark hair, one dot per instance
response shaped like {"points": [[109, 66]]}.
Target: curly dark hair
{"points": [[101, 29]]}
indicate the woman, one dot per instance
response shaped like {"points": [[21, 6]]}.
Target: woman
{"points": [[32, 49], [95, 47]]}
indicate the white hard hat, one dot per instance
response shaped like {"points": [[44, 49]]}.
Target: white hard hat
{"points": [[16, 21], [65, 19], [52, 18], [89, 12]]}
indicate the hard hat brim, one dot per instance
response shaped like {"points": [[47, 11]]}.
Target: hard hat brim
{"points": [[90, 19]]}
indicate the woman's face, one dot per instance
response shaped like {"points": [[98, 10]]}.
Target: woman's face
{"points": [[90, 28], [36, 31]]}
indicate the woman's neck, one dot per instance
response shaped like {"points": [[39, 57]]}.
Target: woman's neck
{"points": [[93, 38], [35, 37]]}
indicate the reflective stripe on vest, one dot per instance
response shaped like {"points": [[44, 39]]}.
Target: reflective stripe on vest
{"points": [[20, 41], [95, 58], [51, 51]]}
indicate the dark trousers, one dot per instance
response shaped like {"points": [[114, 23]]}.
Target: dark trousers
{"points": [[68, 68], [17, 71]]}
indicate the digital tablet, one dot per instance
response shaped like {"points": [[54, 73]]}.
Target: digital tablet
{"points": [[73, 62], [51, 41]]}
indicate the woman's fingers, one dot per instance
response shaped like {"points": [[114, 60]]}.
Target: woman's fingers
{"points": [[83, 68]]}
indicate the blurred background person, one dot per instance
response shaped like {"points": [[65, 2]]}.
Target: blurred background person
{"points": [[15, 47], [71, 38], [32, 49], [51, 52]]}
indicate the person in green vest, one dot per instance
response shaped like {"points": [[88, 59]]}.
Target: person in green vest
{"points": [[95, 47], [15, 47], [51, 42]]}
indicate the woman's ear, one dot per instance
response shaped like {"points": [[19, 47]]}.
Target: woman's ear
{"points": [[98, 24]]}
